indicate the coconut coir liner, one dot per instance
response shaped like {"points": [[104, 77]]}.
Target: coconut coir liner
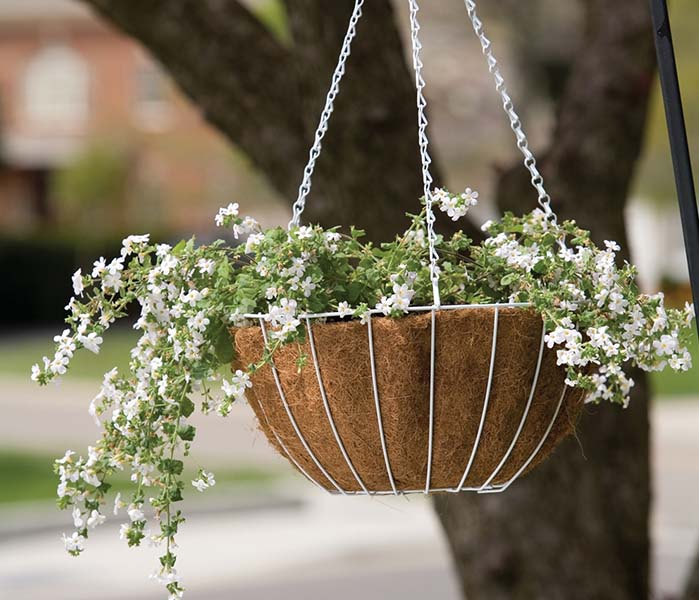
{"points": [[402, 354]]}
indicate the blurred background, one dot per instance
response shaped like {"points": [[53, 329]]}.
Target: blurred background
{"points": [[95, 143]]}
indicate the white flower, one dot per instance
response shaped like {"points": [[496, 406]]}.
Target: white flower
{"points": [[78, 521], [455, 206], [117, 504], [247, 226], [132, 242], [681, 363], [617, 303], [78, 286], [385, 305], [307, 287], [36, 372], [199, 484], [470, 197], [253, 241], [74, 543], [304, 232], [99, 267], [331, 239], [111, 281], [344, 309], [124, 531], [199, 322], [666, 345], [206, 266], [135, 513], [223, 213], [91, 341], [95, 519], [204, 481]]}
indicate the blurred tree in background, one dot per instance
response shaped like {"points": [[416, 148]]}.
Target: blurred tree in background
{"points": [[578, 527], [91, 190]]}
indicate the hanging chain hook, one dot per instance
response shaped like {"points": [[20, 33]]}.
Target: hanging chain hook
{"points": [[425, 158], [529, 161], [328, 108]]}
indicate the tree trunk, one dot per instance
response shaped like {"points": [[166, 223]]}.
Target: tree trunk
{"points": [[691, 591], [578, 527]]}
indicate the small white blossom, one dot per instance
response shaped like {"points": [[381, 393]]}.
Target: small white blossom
{"points": [[78, 286]]}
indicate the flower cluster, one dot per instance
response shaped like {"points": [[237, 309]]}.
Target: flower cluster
{"points": [[190, 296], [595, 316], [455, 205]]}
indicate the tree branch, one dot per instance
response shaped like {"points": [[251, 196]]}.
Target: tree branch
{"points": [[231, 66]]}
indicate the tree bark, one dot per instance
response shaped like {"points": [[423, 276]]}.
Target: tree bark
{"points": [[266, 98], [578, 526], [691, 591]]}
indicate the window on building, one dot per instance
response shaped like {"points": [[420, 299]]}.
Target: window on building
{"points": [[152, 102], [57, 89]]}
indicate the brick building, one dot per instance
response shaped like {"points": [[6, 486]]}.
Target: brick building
{"points": [[80, 103]]}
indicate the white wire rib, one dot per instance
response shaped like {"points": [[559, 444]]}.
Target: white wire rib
{"points": [[314, 153], [328, 412], [491, 370], [374, 311], [282, 397], [285, 449], [536, 450], [493, 488], [537, 180], [377, 403], [430, 434], [524, 414]]}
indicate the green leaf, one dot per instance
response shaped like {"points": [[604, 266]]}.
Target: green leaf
{"points": [[171, 466], [509, 279], [186, 407], [187, 433], [224, 346], [179, 247]]}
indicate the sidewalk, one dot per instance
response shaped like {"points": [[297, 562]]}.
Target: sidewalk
{"points": [[301, 544]]}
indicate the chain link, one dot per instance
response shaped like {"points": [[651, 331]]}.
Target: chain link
{"points": [[328, 108], [425, 158], [529, 161]]}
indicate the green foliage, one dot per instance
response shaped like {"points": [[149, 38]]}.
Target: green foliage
{"points": [[273, 15], [91, 188]]}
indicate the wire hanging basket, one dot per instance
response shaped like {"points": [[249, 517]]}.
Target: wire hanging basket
{"points": [[449, 398]]}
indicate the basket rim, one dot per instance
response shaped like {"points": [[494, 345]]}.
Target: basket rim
{"points": [[424, 308]]}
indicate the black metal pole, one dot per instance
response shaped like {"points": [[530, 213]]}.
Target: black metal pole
{"points": [[679, 148]]}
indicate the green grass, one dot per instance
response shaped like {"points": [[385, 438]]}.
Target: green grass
{"points": [[19, 353], [669, 383], [29, 477]]}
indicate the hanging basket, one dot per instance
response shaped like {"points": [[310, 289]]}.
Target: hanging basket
{"points": [[460, 398], [448, 398]]}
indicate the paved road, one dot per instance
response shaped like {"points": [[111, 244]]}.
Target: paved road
{"points": [[302, 544]]}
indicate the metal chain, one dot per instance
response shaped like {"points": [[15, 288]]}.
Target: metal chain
{"points": [[425, 158], [314, 152], [529, 161]]}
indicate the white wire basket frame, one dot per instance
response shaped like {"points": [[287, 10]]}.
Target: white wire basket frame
{"points": [[486, 487], [489, 485]]}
